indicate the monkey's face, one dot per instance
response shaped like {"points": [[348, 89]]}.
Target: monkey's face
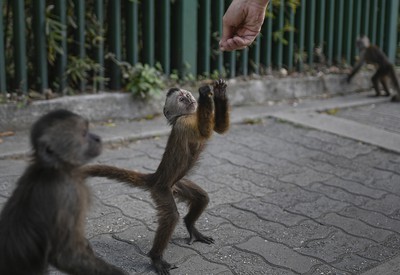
{"points": [[64, 140], [179, 102], [362, 42]]}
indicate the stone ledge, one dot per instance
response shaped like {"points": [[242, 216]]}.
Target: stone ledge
{"points": [[105, 106]]}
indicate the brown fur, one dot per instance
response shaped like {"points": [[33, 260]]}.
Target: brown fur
{"points": [[190, 130], [371, 54], [43, 221]]}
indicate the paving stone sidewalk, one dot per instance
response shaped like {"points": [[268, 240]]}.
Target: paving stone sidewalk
{"points": [[286, 196]]}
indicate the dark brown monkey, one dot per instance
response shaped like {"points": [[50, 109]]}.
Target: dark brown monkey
{"points": [[371, 54], [192, 125], [42, 223]]}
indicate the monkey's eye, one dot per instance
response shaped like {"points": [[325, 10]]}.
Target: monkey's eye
{"points": [[84, 133], [181, 99]]}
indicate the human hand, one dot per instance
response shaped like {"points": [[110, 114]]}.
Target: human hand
{"points": [[242, 23]]}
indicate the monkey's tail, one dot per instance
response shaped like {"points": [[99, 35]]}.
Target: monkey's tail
{"points": [[114, 173]]}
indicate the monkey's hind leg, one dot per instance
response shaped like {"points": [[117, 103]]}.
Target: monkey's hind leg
{"points": [[396, 97], [375, 81], [168, 217], [385, 86], [197, 200]]}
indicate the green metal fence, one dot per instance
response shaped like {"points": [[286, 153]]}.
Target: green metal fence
{"points": [[180, 35]]}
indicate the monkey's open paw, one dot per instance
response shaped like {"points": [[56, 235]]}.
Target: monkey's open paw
{"points": [[220, 88], [205, 91]]}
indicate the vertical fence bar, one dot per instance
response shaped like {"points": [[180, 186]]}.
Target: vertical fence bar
{"points": [[267, 38], [99, 51], [230, 58], [357, 24], [3, 83], [20, 45], [61, 12], [254, 53], [163, 38], [339, 31], [311, 30], [148, 31], [132, 32], [374, 21], [39, 24], [216, 25], [391, 24], [244, 60], [186, 44], [80, 35], [320, 30], [232, 64], [348, 36], [279, 27], [300, 39], [321, 24], [204, 52], [115, 43], [330, 32], [365, 26], [290, 46], [381, 30]]}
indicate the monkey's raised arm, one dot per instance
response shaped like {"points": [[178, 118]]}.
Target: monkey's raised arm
{"points": [[205, 111], [221, 107], [357, 67]]}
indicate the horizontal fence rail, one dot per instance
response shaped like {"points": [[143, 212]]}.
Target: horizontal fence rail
{"points": [[65, 45]]}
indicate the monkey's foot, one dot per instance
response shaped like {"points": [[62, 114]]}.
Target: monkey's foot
{"points": [[162, 267], [220, 88], [196, 236], [395, 98]]}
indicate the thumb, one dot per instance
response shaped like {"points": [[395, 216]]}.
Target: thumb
{"points": [[227, 32]]}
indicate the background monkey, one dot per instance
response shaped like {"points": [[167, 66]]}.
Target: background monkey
{"points": [[192, 125], [373, 55], [42, 223]]}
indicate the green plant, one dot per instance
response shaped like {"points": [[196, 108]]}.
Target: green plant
{"points": [[141, 80], [83, 69], [279, 35], [54, 33]]}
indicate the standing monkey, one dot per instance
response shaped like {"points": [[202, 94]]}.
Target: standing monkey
{"points": [[373, 55], [42, 223], [192, 125]]}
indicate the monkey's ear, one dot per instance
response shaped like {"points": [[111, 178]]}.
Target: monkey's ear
{"points": [[44, 152], [166, 113]]}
